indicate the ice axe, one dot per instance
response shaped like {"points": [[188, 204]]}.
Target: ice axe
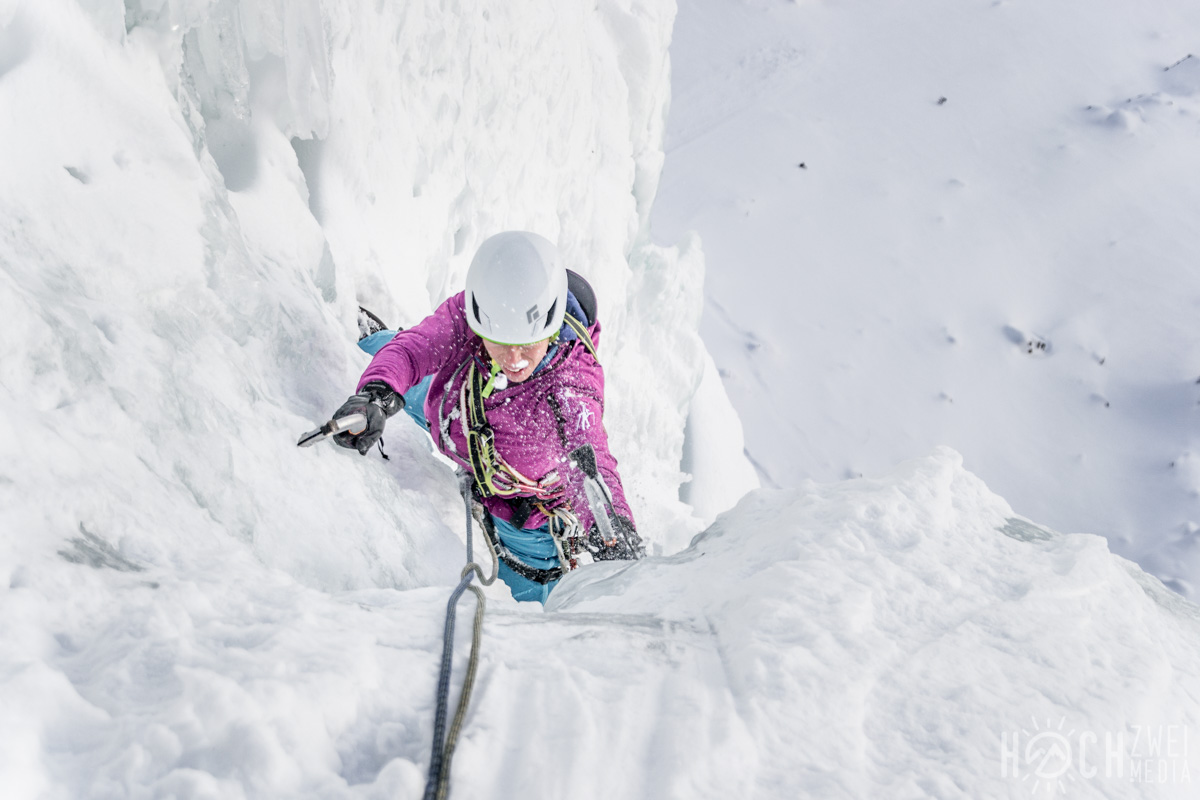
{"points": [[351, 423], [599, 498]]}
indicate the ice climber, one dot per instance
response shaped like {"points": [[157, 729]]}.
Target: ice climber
{"points": [[506, 379]]}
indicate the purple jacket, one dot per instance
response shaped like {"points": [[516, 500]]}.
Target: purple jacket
{"points": [[529, 434]]}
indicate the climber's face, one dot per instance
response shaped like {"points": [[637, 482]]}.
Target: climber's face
{"points": [[518, 361]]}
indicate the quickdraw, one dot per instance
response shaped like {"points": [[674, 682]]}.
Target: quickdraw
{"points": [[495, 477], [568, 536]]}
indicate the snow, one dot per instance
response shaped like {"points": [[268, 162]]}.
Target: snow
{"points": [[876, 636], [194, 198], [959, 223]]}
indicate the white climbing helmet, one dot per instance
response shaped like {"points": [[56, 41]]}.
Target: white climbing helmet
{"points": [[516, 289]]}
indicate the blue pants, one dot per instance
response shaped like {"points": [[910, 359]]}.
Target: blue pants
{"points": [[533, 547]]}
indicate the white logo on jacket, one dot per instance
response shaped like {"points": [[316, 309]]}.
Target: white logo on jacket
{"points": [[585, 416]]}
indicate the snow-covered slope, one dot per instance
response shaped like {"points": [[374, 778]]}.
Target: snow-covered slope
{"points": [[969, 223], [900, 637], [881, 638]]}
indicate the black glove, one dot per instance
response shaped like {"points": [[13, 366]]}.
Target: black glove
{"points": [[377, 401], [628, 546]]}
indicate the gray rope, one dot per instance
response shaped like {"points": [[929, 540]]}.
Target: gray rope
{"points": [[437, 785], [468, 684]]}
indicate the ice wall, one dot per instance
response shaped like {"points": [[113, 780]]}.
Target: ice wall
{"points": [[193, 198], [418, 130], [205, 191], [159, 354]]}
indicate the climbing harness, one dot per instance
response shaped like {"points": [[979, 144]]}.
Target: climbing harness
{"points": [[437, 785], [565, 531], [495, 477]]}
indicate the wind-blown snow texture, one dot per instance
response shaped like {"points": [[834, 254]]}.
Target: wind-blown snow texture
{"points": [[195, 195], [960, 222]]}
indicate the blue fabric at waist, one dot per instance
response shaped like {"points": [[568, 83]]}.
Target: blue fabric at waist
{"points": [[534, 547]]}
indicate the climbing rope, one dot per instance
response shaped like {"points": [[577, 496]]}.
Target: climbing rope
{"points": [[437, 785]]}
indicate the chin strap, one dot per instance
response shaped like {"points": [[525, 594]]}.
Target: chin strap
{"points": [[497, 381]]}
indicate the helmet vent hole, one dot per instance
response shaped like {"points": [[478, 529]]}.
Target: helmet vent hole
{"points": [[550, 313]]}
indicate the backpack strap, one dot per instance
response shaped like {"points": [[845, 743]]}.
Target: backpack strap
{"points": [[585, 295], [582, 332]]}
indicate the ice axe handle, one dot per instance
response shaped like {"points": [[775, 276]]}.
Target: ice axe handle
{"points": [[598, 497], [351, 423]]}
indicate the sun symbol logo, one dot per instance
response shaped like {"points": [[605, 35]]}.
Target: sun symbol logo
{"points": [[1048, 754]]}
